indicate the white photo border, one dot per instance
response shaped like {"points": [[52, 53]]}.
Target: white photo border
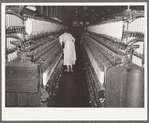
{"points": [[73, 114]]}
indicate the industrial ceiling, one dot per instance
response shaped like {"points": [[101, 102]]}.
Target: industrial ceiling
{"points": [[93, 14], [69, 14]]}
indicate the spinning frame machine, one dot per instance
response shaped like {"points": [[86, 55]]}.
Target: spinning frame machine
{"points": [[33, 60], [113, 53]]}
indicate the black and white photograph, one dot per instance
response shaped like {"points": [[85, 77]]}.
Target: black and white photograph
{"points": [[74, 61]]}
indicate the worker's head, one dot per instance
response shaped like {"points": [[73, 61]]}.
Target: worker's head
{"points": [[67, 31]]}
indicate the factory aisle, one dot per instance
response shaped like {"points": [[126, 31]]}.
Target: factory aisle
{"points": [[73, 90]]}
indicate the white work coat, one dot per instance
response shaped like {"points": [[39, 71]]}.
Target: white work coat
{"points": [[69, 48]]}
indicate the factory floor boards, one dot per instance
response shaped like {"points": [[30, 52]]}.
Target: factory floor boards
{"points": [[73, 87]]}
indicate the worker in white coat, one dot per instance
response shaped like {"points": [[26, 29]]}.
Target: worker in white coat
{"points": [[69, 50]]}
